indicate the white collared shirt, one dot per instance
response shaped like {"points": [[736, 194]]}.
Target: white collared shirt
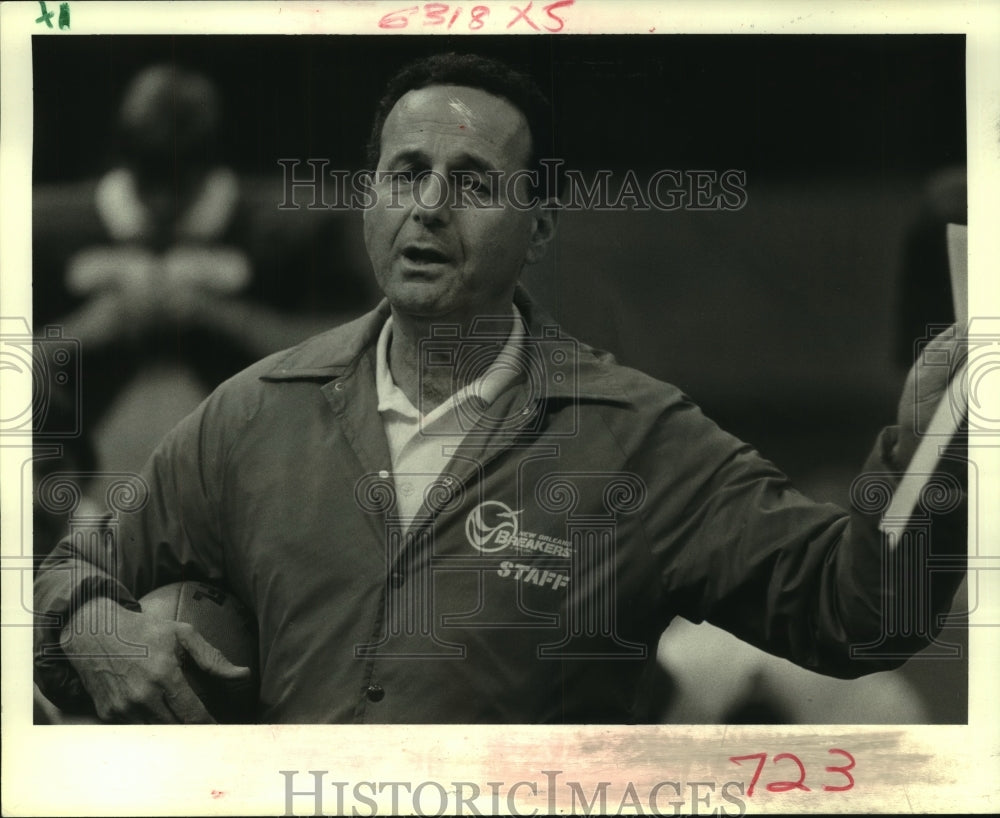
{"points": [[420, 445]]}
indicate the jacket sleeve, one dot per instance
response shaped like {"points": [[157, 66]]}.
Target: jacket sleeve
{"points": [[172, 535], [739, 547]]}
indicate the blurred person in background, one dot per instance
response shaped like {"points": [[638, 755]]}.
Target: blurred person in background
{"points": [[711, 677], [170, 274]]}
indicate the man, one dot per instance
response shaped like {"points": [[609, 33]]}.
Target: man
{"points": [[448, 511]]}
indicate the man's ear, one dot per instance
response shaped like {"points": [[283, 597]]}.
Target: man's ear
{"points": [[543, 230]]}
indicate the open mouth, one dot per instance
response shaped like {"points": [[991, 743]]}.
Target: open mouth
{"points": [[425, 255]]}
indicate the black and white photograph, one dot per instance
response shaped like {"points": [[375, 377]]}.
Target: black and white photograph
{"points": [[476, 409]]}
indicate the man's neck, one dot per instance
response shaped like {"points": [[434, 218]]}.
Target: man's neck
{"points": [[427, 386]]}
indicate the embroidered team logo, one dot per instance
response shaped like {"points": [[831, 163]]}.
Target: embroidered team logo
{"points": [[492, 526]]}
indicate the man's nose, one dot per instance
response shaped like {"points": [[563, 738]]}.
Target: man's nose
{"points": [[430, 198]]}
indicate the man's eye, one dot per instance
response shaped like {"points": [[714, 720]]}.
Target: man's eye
{"points": [[473, 182]]}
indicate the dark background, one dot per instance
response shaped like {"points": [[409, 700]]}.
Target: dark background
{"points": [[780, 319], [770, 104]]}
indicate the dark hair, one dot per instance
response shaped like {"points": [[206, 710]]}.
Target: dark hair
{"points": [[471, 71], [168, 115]]}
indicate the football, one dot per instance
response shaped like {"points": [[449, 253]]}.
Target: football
{"points": [[224, 622]]}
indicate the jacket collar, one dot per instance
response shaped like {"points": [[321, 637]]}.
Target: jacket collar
{"points": [[334, 353], [331, 353]]}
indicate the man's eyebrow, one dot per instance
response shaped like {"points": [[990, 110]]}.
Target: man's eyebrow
{"points": [[470, 161], [413, 157], [462, 161]]}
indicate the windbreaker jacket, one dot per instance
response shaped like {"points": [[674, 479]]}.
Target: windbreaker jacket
{"points": [[587, 508]]}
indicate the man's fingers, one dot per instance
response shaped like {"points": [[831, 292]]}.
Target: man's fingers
{"points": [[183, 703], [130, 690], [946, 338], [140, 702], [146, 707], [158, 712], [930, 376], [208, 657]]}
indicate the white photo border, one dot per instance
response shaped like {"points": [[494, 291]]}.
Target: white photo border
{"points": [[234, 770]]}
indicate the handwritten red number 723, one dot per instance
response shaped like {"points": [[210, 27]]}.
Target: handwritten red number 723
{"points": [[799, 783]]}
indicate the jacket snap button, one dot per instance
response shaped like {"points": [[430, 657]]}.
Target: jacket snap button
{"points": [[339, 386], [375, 692]]}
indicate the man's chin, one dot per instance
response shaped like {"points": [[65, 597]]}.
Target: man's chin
{"points": [[430, 301], [420, 301]]}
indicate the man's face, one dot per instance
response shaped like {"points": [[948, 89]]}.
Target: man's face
{"points": [[435, 260]]}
